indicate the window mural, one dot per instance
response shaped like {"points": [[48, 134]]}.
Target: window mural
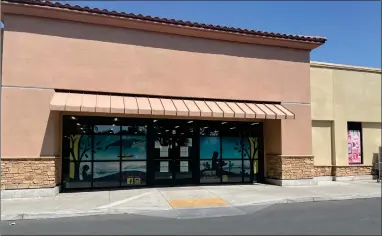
{"points": [[107, 147], [133, 173], [86, 171], [80, 150], [209, 159], [208, 172], [247, 170], [84, 177], [232, 168], [251, 151], [106, 159], [234, 165], [106, 174], [112, 152], [231, 147], [232, 171], [133, 147], [209, 146]]}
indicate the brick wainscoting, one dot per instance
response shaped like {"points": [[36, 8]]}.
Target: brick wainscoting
{"points": [[30, 173], [289, 167], [340, 171], [322, 171], [351, 170]]}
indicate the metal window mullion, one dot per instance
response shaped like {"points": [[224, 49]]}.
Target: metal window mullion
{"points": [[221, 159], [120, 156], [92, 161], [242, 158]]}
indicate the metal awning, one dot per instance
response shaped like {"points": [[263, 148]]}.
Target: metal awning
{"points": [[77, 102]]}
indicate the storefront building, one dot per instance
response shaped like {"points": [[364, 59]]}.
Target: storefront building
{"points": [[94, 99], [113, 152]]}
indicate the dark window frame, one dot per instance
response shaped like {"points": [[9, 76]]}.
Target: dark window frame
{"points": [[91, 122], [241, 132]]}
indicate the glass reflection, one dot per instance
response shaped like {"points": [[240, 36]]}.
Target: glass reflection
{"points": [[208, 173], [233, 171], [106, 129]]}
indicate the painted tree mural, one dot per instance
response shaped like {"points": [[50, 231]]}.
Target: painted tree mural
{"points": [[80, 150], [251, 147], [250, 150]]}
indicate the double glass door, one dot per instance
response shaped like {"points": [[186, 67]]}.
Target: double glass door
{"points": [[173, 153]]}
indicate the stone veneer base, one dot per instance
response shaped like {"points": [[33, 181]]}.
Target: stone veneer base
{"points": [[30, 193], [30, 172], [286, 167]]}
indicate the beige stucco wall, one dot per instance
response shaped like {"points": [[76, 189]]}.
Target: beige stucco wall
{"points": [[322, 146], [344, 94], [371, 140], [321, 89]]}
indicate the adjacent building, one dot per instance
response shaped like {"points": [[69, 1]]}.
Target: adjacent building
{"points": [[98, 99], [346, 119]]}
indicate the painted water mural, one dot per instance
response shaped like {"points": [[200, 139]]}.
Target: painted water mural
{"points": [[234, 161], [209, 145], [108, 159], [109, 147]]}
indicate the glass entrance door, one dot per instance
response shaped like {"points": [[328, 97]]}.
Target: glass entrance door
{"points": [[173, 155]]}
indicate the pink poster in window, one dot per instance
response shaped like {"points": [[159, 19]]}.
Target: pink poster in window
{"points": [[354, 147]]}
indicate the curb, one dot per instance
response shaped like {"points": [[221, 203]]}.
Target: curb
{"points": [[63, 214], [311, 199]]}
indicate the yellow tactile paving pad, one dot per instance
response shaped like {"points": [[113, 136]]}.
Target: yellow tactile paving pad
{"points": [[197, 202]]}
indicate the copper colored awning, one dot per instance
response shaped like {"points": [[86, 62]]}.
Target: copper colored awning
{"points": [[77, 102]]}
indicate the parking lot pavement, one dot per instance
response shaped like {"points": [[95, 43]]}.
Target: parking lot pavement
{"points": [[348, 217]]}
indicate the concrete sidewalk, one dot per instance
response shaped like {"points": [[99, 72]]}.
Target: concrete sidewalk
{"points": [[159, 199]]}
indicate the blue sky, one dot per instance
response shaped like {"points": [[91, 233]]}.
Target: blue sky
{"points": [[353, 28]]}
